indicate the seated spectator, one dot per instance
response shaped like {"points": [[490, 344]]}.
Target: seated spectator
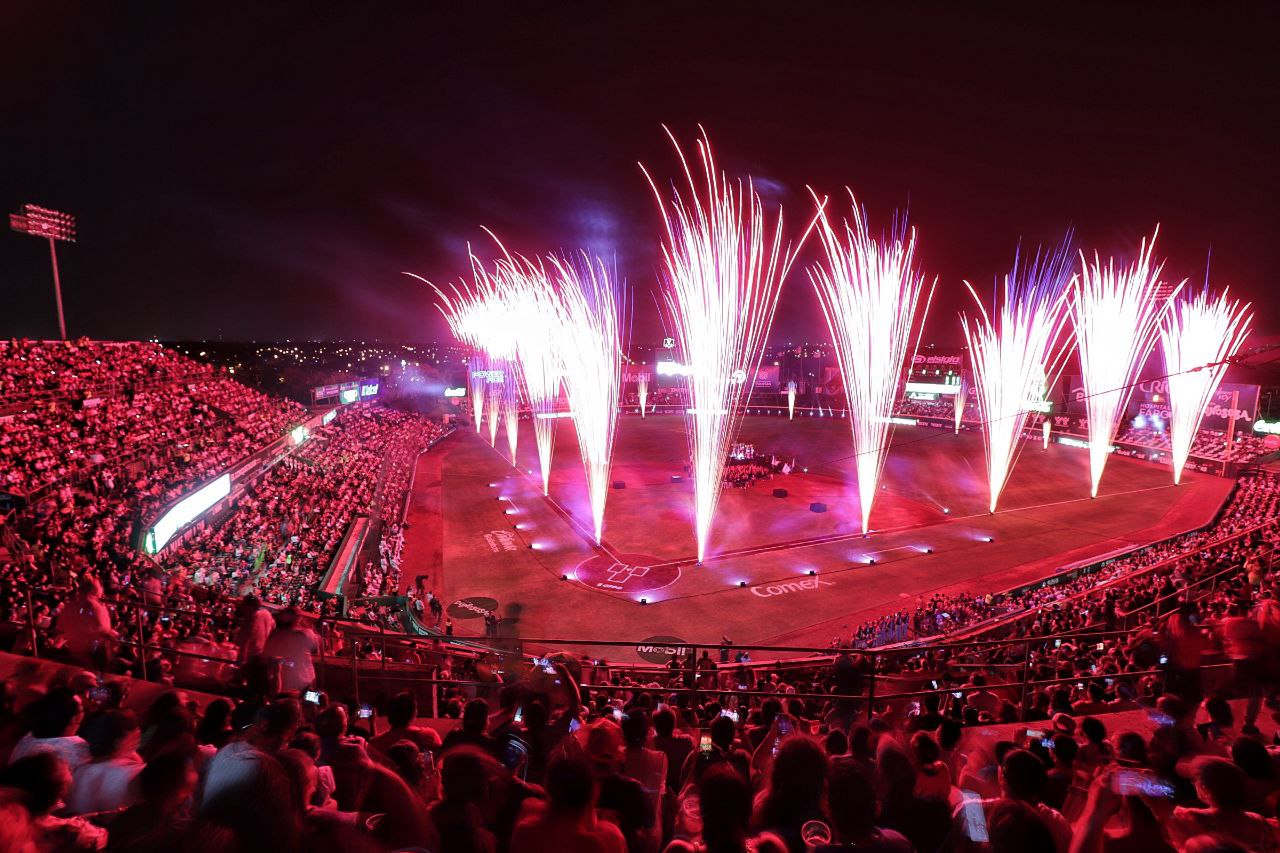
{"points": [[475, 720], [402, 710], [159, 820], [44, 779], [851, 803], [567, 823], [1222, 787], [105, 783], [793, 793], [54, 719]]}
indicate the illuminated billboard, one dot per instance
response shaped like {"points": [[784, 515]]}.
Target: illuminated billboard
{"points": [[369, 389], [329, 416], [300, 434], [349, 395], [186, 511]]}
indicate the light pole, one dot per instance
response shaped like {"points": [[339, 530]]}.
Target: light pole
{"points": [[52, 225]]}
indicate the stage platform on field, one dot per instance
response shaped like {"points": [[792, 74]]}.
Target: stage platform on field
{"points": [[473, 519]]}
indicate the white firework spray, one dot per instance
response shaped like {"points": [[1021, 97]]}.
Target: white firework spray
{"points": [[527, 287], [591, 347], [723, 269], [960, 400], [1116, 314], [875, 302], [1016, 354], [1198, 337]]}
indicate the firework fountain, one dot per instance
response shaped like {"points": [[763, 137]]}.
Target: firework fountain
{"points": [[724, 268], [480, 316], [1198, 337], [642, 388], [791, 401], [511, 409], [1116, 314], [1017, 354], [591, 345], [960, 400], [527, 287], [874, 301], [478, 379]]}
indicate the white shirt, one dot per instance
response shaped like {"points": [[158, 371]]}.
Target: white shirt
{"points": [[103, 786], [73, 750]]}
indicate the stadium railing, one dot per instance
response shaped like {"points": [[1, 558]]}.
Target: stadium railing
{"points": [[349, 668]]}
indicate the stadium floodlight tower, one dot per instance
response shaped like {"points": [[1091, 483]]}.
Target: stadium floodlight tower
{"points": [[52, 225]]}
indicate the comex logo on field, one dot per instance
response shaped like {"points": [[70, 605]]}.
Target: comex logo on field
{"points": [[786, 587]]}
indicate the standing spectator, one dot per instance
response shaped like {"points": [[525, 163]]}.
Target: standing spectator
{"points": [[256, 626], [85, 624], [676, 746], [292, 644], [648, 767], [1185, 645]]}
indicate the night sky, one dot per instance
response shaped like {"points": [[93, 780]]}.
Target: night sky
{"points": [[267, 173]]}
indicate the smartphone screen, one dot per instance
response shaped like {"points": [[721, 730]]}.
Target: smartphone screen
{"points": [[975, 822]]}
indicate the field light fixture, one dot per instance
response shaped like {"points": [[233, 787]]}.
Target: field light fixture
{"points": [[54, 226]]}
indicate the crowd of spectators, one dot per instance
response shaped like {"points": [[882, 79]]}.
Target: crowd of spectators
{"points": [[1255, 501], [284, 531], [567, 754], [575, 753], [1208, 443], [178, 422], [82, 369]]}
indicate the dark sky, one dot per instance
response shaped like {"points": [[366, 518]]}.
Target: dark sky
{"points": [[268, 173]]}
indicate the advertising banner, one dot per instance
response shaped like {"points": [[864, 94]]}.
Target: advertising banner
{"points": [[767, 378], [938, 358], [1151, 399]]}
